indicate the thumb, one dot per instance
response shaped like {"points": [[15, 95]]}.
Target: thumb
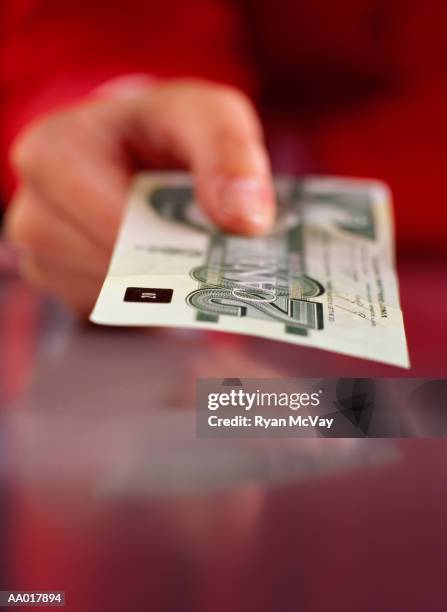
{"points": [[215, 132]]}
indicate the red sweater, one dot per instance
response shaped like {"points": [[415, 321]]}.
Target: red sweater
{"points": [[362, 83]]}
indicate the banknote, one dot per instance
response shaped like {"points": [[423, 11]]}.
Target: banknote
{"points": [[323, 277]]}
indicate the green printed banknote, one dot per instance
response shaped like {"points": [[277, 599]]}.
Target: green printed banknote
{"points": [[323, 277]]}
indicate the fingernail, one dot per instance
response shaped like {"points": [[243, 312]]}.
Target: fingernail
{"points": [[246, 200]]}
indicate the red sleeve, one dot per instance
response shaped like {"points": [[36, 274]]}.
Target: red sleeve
{"points": [[55, 52], [400, 135]]}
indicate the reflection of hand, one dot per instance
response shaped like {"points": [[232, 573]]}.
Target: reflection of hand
{"points": [[74, 167]]}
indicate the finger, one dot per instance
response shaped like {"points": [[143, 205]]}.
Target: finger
{"points": [[78, 160], [38, 228], [215, 131], [75, 160], [77, 291]]}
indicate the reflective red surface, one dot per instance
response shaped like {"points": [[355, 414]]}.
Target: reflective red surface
{"points": [[107, 494]]}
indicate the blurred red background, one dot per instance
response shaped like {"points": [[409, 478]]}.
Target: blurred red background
{"points": [[357, 87]]}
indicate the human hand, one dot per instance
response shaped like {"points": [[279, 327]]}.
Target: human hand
{"points": [[74, 167]]}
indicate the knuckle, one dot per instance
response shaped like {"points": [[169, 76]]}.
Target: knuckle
{"points": [[212, 103], [231, 94], [30, 146], [236, 98], [21, 228], [216, 94], [44, 141], [240, 110]]}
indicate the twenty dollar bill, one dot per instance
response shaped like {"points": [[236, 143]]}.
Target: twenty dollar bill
{"points": [[323, 277]]}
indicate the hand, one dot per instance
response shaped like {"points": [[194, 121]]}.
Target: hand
{"points": [[74, 167]]}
